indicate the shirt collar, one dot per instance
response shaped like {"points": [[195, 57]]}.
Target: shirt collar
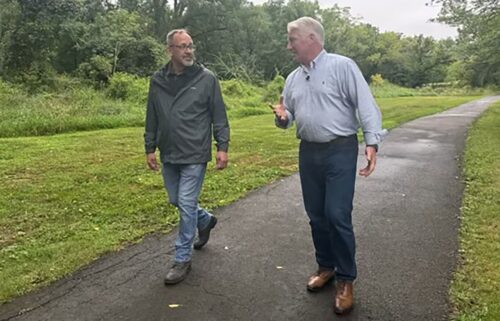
{"points": [[314, 63]]}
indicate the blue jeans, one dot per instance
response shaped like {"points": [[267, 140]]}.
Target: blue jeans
{"points": [[327, 176], [183, 183]]}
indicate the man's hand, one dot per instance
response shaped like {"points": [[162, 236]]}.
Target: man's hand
{"points": [[221, 160], [151, 160], [371, 157], [279, 110]]}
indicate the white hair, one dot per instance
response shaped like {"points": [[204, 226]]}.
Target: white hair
{"points": [[308, 25]]}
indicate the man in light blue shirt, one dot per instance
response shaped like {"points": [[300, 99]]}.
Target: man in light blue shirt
{"points": [[329, 99]]}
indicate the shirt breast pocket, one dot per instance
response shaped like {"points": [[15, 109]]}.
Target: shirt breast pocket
{"points": [[329, 88]]}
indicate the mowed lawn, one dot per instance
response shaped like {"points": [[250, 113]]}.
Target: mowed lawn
{"points": [[68, 198], [475, 289]]}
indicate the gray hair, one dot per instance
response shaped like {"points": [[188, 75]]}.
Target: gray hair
{"points": [[172, 33], [308, 25]]}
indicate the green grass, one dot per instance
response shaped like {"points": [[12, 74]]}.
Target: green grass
{"points": [[388, 90], [475, 290], [77, 107], [82, 108], [66, 199], [402, 109]]}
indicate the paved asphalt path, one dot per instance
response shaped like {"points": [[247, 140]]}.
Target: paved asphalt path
{"points": [[257, 262]]}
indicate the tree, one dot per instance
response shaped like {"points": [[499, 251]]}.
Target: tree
{"points": [[33, 37], [478, 23], [8, 17], [142, 57]]}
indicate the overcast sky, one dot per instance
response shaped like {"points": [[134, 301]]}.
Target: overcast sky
{"points": [[410, 17]]}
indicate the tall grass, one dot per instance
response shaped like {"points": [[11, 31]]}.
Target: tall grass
{"points": [[77, 107], [74, 109], [122, 104]]}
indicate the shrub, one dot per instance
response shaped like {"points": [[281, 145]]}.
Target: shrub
{"points": [[377, 80], [274, 89], [235, 87], [128, 87], [142, 57], [38, 78], [98, 69]]}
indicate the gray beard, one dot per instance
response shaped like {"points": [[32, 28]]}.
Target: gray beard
{"points": [[188, 63]]}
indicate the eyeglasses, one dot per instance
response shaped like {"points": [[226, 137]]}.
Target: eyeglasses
{"points": [[184, 47]]}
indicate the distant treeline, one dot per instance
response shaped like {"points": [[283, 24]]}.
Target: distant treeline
{"points": [[93, 39]]}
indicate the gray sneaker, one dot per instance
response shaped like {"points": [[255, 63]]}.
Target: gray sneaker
{"points": [[177, 272]]}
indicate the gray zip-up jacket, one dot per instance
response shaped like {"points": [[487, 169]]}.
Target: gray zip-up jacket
{"points": [[182, 115]]}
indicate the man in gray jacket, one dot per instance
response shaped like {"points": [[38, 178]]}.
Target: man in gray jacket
{"points": [[185, 107]]}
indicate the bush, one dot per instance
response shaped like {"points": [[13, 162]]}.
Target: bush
{"points": [[128, 87], [142, 57], [38, 78], [98, 69], [274, 89], [376, 80], [235, 87]]}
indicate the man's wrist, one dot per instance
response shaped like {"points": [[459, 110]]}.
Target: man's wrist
{"points": [[374, 146]]}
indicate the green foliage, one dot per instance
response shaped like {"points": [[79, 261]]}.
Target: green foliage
{"points": [[32, 38], [75, 107], [476, 284], [98, 69], [274, 89], [376, 80], [38, 78], [9, 15], [128, 87], [242, 99], [142, 57], [231, 66], [235, 39], [478, 25], [235, 87]]}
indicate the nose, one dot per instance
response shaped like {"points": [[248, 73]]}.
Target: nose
{"points": [[289, 46]]}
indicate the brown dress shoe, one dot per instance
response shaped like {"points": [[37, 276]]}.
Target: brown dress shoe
{"points": [[344, 297], [319, 279]]}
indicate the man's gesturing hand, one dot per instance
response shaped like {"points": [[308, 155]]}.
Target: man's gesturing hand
{"points": [[279, 110]]}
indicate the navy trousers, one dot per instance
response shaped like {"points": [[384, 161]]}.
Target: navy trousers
{"points": [[327, 175]]}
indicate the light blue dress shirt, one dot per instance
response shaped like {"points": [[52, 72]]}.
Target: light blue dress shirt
{"points": [[330, 98]]}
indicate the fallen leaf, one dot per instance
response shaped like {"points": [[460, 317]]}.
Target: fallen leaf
{"points": [[173, 306]]}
